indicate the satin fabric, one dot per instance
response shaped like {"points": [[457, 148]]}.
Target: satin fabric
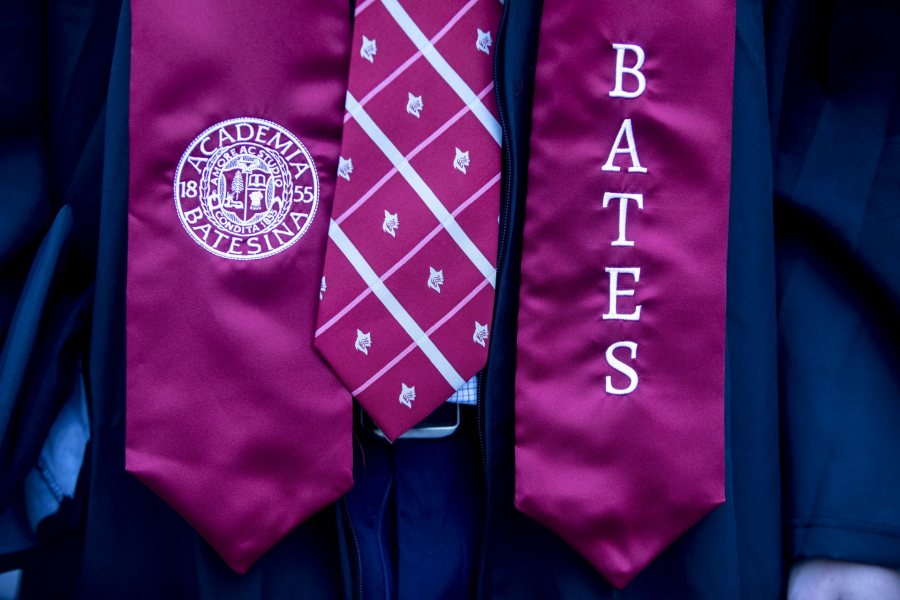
{"points": [[446, 215], [128, 544], [232, 417], [619, 477]]}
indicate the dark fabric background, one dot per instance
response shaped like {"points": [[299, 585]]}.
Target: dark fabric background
{"points": [[813, 329]]}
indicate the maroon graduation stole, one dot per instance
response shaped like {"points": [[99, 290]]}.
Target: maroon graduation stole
{"points": [[235, 128], [620, 365], [235, 136]]}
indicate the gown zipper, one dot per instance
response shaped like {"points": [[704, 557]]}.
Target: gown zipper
{"points": [[357, 555], [504, 216], [505, 206], [504, 128]]}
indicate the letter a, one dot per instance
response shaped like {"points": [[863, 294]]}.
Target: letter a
{"points": [[625, 131], [634, 71]]}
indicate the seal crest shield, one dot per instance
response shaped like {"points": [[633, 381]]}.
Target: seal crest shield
{"points": [[246, 189]]}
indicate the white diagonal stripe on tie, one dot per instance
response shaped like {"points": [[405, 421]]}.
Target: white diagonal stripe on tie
{"points": [[421, 188], [393, 306], [424, 45]]}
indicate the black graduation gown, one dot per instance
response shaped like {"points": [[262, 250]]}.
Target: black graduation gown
{"points": [[812, 398]]}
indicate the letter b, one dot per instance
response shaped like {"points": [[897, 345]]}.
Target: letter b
{"points": [[634, 71], [193, 215]]}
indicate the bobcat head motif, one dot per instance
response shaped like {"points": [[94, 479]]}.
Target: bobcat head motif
{"points": [[368, 49], [363, 341], [414, 105], [481, 334], [391, 223], [483, 43], [407, 395], [461, 161], [345, 167], [436, 279]]}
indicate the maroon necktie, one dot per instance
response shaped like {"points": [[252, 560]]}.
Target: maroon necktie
{"points": [[235, 126], [408, 287], [620, 348]]}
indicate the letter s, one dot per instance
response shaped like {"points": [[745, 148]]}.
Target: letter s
{"points": [[622, 368]]}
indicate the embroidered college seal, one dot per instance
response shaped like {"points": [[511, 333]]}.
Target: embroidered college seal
{"points": [[246, 189]]}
